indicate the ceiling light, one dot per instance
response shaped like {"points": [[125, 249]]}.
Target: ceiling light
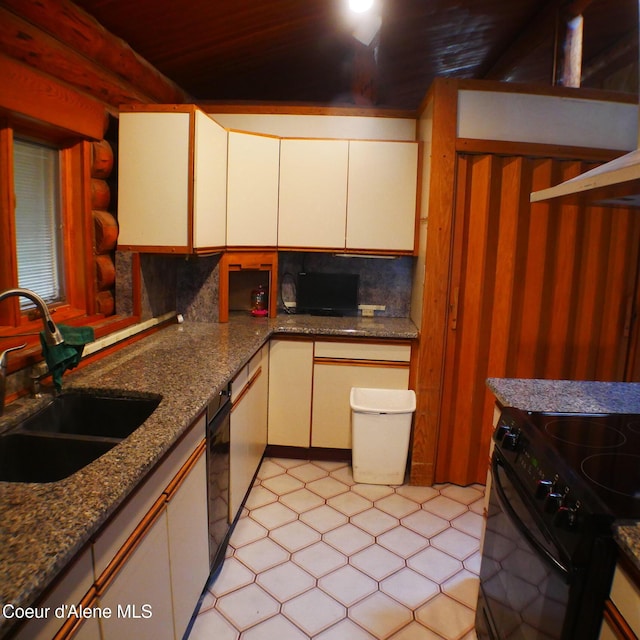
{"points": [[360, 6]]}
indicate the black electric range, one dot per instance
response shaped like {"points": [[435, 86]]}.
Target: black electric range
{"points": [[598, 453], [558, 482]]}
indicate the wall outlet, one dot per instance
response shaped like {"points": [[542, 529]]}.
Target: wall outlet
{"points": [[368, 310]]}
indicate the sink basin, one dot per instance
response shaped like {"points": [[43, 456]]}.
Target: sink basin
{"points": [[26, 457], [92, 414], [69, 433]]}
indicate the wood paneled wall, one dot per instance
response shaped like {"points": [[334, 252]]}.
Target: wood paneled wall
{"points": [[536, 291]]}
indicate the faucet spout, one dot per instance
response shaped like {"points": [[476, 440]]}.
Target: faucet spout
{"points": [[52, 334]]}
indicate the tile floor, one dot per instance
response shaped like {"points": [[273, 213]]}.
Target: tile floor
{"points": [[316, 555]]}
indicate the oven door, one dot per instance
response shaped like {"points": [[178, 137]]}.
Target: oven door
{"points": [[526, 589]]}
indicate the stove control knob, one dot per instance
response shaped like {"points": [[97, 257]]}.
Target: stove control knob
{"points": [[501, 431], [544, 488], [567, 516], [553, 502], [510, 440]]}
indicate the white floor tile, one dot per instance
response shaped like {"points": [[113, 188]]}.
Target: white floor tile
{"points": [[381, 615], [302, 500], [348, 539], [327, 487], [425, 523], [323, 518], [282, 484], [463, 587], [286, 581], [247, 531], [446, 616], [295, 536], [319, 559], [348, 585], [308, 472], [377, 562], [455, 543], [313, 611], [409, 588], [277, 627], [232, 576], [396, 505], [212, 624], [403, 542], [350, 503], [345, 630], [247, 606], [273, 515], [444, 507], [434, 564], [262, 555], [316, 555], [374, 521]]}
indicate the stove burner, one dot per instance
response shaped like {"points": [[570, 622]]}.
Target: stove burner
{"points": [[586, 433], [621, 470], [634, 426]]}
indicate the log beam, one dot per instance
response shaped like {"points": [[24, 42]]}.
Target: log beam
{"points": [[115, 66]]}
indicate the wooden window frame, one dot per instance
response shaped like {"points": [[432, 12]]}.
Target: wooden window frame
{"points": [[79, 307]]}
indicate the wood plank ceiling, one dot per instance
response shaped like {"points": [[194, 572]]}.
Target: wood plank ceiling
{"points": [[305, 51]]}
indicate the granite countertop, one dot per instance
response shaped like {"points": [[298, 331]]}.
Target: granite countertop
{"points": [[43, 526], [568, 396]]}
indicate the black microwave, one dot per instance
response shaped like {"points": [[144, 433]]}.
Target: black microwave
{"points": [[329, 294]]}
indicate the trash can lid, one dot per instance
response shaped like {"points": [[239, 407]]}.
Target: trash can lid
{"points": [[368, 400]]}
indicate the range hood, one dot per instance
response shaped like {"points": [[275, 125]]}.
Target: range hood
{"points": [[614, 184]]}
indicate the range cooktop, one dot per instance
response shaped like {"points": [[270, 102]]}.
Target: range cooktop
{"points": [[603, 450]]}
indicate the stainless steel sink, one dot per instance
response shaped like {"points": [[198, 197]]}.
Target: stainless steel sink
{"points": [[69, 433]]}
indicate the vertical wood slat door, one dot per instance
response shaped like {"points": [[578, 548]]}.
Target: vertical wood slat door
{"points": [[536, 291]]}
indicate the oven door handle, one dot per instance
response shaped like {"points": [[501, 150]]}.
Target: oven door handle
{"points": [[522, 528]]}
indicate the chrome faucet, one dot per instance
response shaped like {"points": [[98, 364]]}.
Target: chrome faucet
{"points": [[52, 335]]}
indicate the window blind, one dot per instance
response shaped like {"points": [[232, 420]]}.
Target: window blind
{"points": [[38, 221]]}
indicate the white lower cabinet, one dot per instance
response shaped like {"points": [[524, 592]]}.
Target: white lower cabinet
{"points": [[248, 428], [187, 521], [622, 612], [331, 415], [140, 595], [69, 590], [290, 387], [310, 383]]}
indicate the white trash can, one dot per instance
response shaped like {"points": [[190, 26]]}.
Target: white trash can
{"points": [[380, 429]]}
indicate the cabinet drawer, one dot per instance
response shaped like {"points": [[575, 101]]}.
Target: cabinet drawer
{"points": [[363, 351], [247, 372]]}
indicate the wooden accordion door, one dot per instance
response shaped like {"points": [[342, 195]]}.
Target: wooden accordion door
{"points": [[536, 291]]}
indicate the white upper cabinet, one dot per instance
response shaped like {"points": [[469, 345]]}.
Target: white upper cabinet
{"points": [[381, 203], [172, 180], [313, 193], [252, 190]]}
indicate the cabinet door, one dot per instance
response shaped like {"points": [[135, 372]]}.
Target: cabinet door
{"points": [[209, 183], [153, 180], [290, 385], [252, 199], [313, 193], [140, 595], [69, 590], [331, 416], [381, 210], [188, 544], [248, 434]]}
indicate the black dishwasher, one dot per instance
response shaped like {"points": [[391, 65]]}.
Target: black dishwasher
{"points": [[218, 413]]}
